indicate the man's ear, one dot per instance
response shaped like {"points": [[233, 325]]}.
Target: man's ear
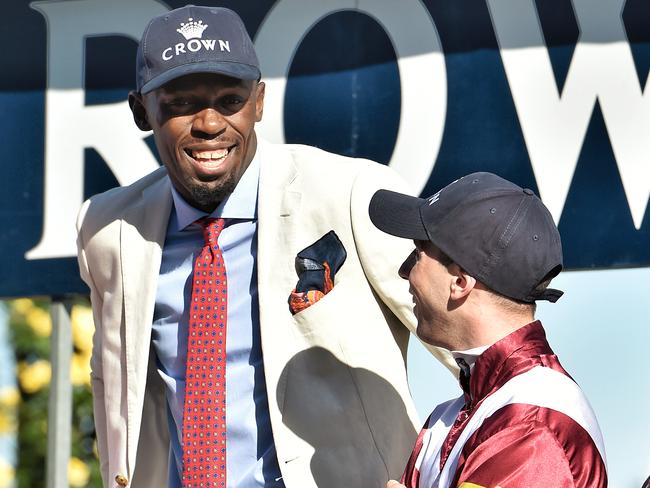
{"points": [[462, 283], [136, 102], [259, 101]]}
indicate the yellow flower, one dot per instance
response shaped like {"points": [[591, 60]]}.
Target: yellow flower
{"points": [[22, 305], [83, 327], [78, 473], [33, 377], [80, 370], [40, 321], [7, 474], [9, 397], [9, 400], [8, 424]]}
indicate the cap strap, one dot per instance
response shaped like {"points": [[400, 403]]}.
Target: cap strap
{"points": [[550, 294]]}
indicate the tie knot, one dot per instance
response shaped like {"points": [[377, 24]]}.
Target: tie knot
{"points": [[464, 367], [464, 374], [211, 230]]}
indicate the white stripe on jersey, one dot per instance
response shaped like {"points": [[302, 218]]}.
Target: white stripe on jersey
{"points": [[540, 386]]}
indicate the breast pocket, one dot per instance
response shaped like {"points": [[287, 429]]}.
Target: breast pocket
{"points": [[322, 312]]}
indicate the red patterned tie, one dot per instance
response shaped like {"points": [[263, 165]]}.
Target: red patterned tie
{"points": [[204, 418]]}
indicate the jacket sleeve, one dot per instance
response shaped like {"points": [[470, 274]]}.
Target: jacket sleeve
{"points": [[531, 455], [382, 254], [96, 375]]}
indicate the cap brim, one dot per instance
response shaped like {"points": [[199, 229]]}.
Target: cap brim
{"points": [[235, 70], [398, 214]]}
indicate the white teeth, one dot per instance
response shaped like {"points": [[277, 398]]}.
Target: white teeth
{"points": [[218, 154]]}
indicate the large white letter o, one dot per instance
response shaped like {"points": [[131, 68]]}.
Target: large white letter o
{"points": [[420, 60]]}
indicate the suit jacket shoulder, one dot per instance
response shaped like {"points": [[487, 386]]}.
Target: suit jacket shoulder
{"points": [[112, 204], [332, 168], [132, 218]]}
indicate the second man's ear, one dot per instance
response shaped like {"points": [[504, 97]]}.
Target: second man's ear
{"points": [[463, 283], [139, 111]]}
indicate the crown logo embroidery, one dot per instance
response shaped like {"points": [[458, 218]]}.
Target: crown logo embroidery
{"points": [[192, 29]]}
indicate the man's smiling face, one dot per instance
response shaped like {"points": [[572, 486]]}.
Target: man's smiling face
{"points": [[203, 125]]}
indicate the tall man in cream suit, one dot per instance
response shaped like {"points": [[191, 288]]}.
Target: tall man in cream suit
{"points": [[314, 398]]}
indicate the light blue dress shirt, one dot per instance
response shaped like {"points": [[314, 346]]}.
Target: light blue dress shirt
{"points": [[251, 457]]}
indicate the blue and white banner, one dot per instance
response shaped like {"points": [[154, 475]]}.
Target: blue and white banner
{"points": [[550, 94]]}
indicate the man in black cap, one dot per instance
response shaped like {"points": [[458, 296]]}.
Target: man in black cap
{"points": [[485, 252], [246, 263]]}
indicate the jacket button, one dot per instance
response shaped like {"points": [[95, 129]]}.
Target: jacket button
{"points": [[121, 480]]}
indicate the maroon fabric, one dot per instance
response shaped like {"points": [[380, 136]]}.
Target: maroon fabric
{"points": [[527, 445], [411, 476], [511, 356], [204, 410], [519, 445]]}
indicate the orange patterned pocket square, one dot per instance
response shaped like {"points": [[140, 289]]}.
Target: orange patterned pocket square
{"points": [[316, 266]]}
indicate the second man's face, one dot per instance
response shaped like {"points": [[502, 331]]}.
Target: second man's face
{"points": [[203, 126], [429, 284]]}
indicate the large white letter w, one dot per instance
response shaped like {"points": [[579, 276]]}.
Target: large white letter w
{"points": [[554, 125]]}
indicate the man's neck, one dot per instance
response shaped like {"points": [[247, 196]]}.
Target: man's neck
{"points": [[487, 326]]}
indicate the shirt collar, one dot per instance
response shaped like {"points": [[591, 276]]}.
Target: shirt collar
{"points": [[240, 204], [511, 355], [470, 355]]}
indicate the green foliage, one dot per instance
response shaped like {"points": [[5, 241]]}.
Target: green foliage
{"points": [[83, 434], [30, 336]]}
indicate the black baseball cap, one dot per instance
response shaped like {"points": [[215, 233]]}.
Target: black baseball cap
{"points": [[194, 39], [499, 233]]}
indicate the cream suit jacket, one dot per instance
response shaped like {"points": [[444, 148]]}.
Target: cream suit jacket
{"points": [[339, 402]]}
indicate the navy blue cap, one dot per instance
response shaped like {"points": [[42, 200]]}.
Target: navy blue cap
{"points": [[498, 232], [194, 39]]}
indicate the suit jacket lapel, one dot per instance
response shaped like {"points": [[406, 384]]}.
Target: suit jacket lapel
{"points": [[142, 237], [278, 209]]}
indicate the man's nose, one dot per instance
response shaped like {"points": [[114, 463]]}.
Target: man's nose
{"points": [[209, 121], [405, 268]]}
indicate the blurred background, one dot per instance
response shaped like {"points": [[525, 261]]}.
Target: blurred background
{"points": [[550, 94], [25, 331]]}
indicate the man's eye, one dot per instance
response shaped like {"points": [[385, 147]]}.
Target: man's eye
{"points": [[233, 100], [178, 102]]}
